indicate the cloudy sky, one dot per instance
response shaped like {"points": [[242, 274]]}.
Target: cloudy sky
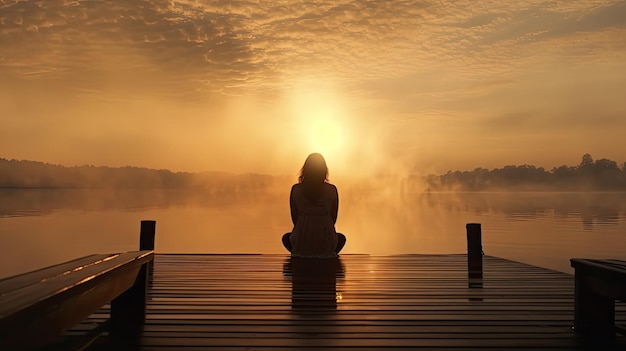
{"points": [[254, 86]]}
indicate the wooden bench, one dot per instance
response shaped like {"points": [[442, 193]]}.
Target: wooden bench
{"points": [[598, 284], [37, 307]]}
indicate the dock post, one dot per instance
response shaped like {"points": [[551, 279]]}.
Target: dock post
{"points": [[146, 242], [128, 311], [474, 254], [146, 235]]}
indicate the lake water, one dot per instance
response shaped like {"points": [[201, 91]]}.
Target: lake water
{"points": [[43, 227]]}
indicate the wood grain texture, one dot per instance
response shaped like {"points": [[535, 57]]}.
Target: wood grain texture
{"points": [[35, 310], [404, 302]]}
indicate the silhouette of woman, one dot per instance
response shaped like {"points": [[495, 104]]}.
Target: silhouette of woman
{"points": [[314, 204]]}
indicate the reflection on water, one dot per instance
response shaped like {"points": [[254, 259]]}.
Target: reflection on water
{"points": [[592, 208], [599, 208], [42, 227], [28, 202], [23, 213]]}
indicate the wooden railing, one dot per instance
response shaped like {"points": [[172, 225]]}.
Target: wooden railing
{"points": [[39, 306], [599, 283]]}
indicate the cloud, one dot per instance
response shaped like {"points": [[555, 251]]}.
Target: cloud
{"points": [[436, 67], [237, 45], [216, 43], [172, 41]]}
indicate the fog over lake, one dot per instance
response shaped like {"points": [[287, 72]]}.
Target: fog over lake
{"points": [[40, 227]]}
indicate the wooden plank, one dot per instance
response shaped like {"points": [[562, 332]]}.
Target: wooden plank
{"points": [[346, 342], [598, 284], [37, 313], [87, 275], [22, 280], [451, 330], [404, 302]]}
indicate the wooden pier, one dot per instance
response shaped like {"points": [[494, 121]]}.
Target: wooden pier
{"points": [[405, 302], [168, 302]]}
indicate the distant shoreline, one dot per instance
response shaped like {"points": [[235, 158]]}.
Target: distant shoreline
{"points": [[589, 176]]}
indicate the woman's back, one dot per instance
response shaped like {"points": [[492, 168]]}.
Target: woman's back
{"points": [[314, 214]]}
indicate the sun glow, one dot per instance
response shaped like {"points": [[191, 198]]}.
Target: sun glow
{"points": [[323, 123], [326, 135]]}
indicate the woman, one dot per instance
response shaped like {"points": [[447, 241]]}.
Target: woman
{"points": [[314, 204]]}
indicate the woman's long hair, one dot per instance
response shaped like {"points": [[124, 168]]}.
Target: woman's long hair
{"points": [[313, 175]]}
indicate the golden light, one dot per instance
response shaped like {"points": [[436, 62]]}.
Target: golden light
{"points": [[326, 135], [322, 121]]}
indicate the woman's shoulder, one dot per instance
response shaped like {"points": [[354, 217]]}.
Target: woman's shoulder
{"points": [[296, 188], [325, 186], [330, 188]]}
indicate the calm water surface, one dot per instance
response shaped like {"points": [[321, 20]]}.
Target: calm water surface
{"points": [[43, 227]]}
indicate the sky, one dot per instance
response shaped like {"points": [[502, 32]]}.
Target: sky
{"points": [[255, 86]]}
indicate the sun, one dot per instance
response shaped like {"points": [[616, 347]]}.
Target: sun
{"points": [[326, 135], [323, 130], [323, 123]]}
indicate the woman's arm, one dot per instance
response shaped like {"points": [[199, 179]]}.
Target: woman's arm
{"points": [[334, 208], [294, 208]]}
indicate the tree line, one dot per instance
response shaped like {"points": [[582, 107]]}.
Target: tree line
{"points": [[34, 174], [590, 174]]}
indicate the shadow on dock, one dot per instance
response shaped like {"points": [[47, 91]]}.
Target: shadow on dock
{"points": [[314, 282]]}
